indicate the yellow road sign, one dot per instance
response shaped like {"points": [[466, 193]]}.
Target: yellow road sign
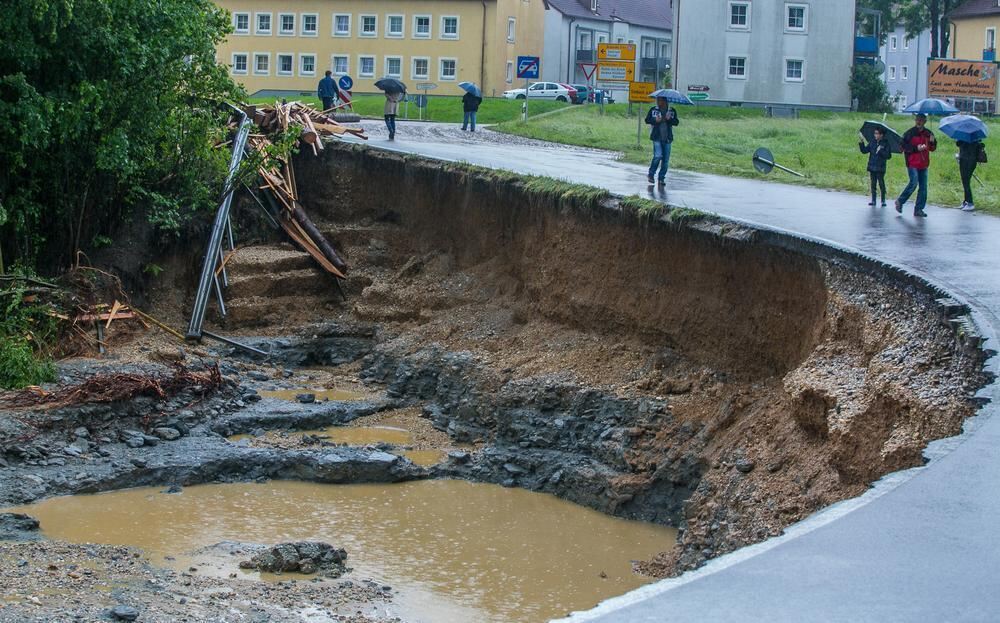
{"points": [[616, 71], [616, 51], [639, 91]]}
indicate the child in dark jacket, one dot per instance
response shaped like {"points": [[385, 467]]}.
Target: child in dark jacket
{"points": [[878, 152]]}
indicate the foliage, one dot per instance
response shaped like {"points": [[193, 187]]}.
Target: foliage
{"points": [[108, 110], [25, 330], [867, 87]]}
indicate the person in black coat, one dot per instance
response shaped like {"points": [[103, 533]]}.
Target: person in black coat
{"points": [[878, 153], [470, 105], [968, 158]]}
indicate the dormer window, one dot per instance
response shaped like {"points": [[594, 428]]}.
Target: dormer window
{"points": [[595, 3]]}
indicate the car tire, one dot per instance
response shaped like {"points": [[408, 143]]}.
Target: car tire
{"points": [[561, 99], [520, 96]]}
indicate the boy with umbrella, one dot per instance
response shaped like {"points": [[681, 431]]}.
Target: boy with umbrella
{"points": [[879, 152]]}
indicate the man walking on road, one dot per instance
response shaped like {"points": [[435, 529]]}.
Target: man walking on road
{"points": [[918, 143], [328, 91], [663, 119]]}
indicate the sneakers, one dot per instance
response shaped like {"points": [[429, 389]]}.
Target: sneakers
{"points": [[968, 207], [872, 203], [883, 204], [661, 182], [920, 213], [899, 206], [649, 178]]}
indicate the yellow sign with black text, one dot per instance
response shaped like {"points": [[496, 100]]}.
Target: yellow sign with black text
{"points": [[639, 92], [615, 71], [616, 51]]}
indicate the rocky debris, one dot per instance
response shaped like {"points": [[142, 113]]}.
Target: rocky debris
{"points": [[122, 612], [18, 527], [306, 398], [306, 557], [167, 433]]}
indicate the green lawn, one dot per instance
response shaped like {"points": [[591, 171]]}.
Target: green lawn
{"points": [[445, 109], [823, 146]]}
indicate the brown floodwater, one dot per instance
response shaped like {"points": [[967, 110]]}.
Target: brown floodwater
{"points": [[352, 435], [453, 551], [320, 394]]}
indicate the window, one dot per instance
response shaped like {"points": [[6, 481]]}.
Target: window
{"points": [[796, 17], [239, 62], [892, 43], [394, 66], [737, 67], [739, 16], [906, 43], [366, 66], [794, 69], [341, 25], [421, 68], [892, 72], [510, 72], [448, 68], [991, 38], [449, 28], [369, 26], [394, 26], [307, 64], [340, 64], [286, 23], [261, 63], [421, 26], [602, 37], [241, 23], [284, 65], [904, 72], [263, 24], [664, 50], [310, 24], [584, 40], [647, 49], [511, 29]]}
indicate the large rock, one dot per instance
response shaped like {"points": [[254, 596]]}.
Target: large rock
{"points": [[18, 527], [300, 557]]}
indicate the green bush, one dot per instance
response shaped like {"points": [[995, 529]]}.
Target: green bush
{"points": [[19, 367]]}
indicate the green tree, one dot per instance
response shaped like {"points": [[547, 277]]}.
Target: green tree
{"points": [[867, 87], [108, 110]]}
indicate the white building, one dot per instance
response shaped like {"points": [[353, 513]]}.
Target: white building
{"points": [[573, 28], [794, 53]]}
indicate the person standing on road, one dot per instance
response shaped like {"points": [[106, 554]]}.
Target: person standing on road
{"points": [[328, 91], [968, 158], [878, 152], [918, 143], [392, 101], [663, 120], [470, 104]]}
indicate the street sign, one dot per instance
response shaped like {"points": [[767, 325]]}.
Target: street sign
{"points": [[345, 83], [588, 69], [698, 88], [425, 86], [698, 97], [616, 51], [639, 91], [616, 71], [527, 67], [613, 85]]}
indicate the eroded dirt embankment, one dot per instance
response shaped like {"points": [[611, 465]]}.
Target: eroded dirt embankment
{"points": [[688, 371]]}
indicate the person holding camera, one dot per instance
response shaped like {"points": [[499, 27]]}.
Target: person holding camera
{"points": [[663, 120]]}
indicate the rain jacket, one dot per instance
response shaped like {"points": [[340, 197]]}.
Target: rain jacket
{"points": [[662, 132], [392, 101], [878, 153], [968, 152], [913, 138], [470, 103], [328, 88]]}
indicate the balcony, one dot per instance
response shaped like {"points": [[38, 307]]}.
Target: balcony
{"points": [[990, 54], [586, 56], [865, 46], [649, 66]]}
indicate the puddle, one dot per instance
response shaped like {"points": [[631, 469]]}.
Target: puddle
{"points": [[320, 394], [351, 435], [453, 551]]}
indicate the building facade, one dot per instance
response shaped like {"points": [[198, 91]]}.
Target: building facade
{"points": [[796, 53], [573, 28], [906, 66], [974, 27], [285, 47]]}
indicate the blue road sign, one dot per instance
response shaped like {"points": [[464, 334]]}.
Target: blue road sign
{"points": [[527, 67], [345, 83]]}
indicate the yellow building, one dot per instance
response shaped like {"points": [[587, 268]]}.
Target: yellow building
{"points": [[287, 46], [974, 27]]}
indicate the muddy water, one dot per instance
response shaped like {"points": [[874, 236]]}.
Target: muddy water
{"points": [[320, 394], [352, 435], [453, 551]]}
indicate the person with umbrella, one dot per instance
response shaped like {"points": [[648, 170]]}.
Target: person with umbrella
{"points": [[968, 132], [395, 91], [470, 104], [918, 143], [663, 120], [879, 152]]}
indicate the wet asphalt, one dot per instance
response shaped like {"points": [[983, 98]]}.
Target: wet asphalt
{"points": [[921, 544]]}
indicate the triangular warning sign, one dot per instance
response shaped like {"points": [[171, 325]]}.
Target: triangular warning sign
{"points": [[588, 69]]}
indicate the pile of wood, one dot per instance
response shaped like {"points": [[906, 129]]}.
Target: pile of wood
{"points": [[277, 175]]}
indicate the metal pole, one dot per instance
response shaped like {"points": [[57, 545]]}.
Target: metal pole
{"points": [[525, 116], [778, 166], [226, 340]]}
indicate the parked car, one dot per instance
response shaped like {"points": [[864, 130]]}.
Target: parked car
{"points": [[582, 93], [572, 91], [542, 91]]}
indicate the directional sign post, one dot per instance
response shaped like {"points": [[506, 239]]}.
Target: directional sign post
{"points": [[527, 68], [639, 92], [615, 65], [425, 87], [346, 84]]}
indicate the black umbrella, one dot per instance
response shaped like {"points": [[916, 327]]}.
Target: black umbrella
{"points": [[895, 140], [390, 85]]}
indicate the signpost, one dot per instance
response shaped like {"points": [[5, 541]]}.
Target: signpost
{"points": [[425, 87], [588, 70], [346, 84], [698, 97], [638, 92], [527, 68], [616, 52], [615, 66]]}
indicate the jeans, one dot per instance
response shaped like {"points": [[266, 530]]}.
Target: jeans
{"points": [[470, 119], [390, 124], [328, 103], [877, 179], [918, 180], [661, 159], [966, 168]]}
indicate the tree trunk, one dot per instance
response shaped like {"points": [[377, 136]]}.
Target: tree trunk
{"points": [[935, 10]]}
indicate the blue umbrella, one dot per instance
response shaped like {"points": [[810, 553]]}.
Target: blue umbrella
{"points": [[964, 128], [931, 106], [673, 96], [470, 87]]}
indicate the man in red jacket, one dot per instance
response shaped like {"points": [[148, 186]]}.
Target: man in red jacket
{"points": [[918, 143]]}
